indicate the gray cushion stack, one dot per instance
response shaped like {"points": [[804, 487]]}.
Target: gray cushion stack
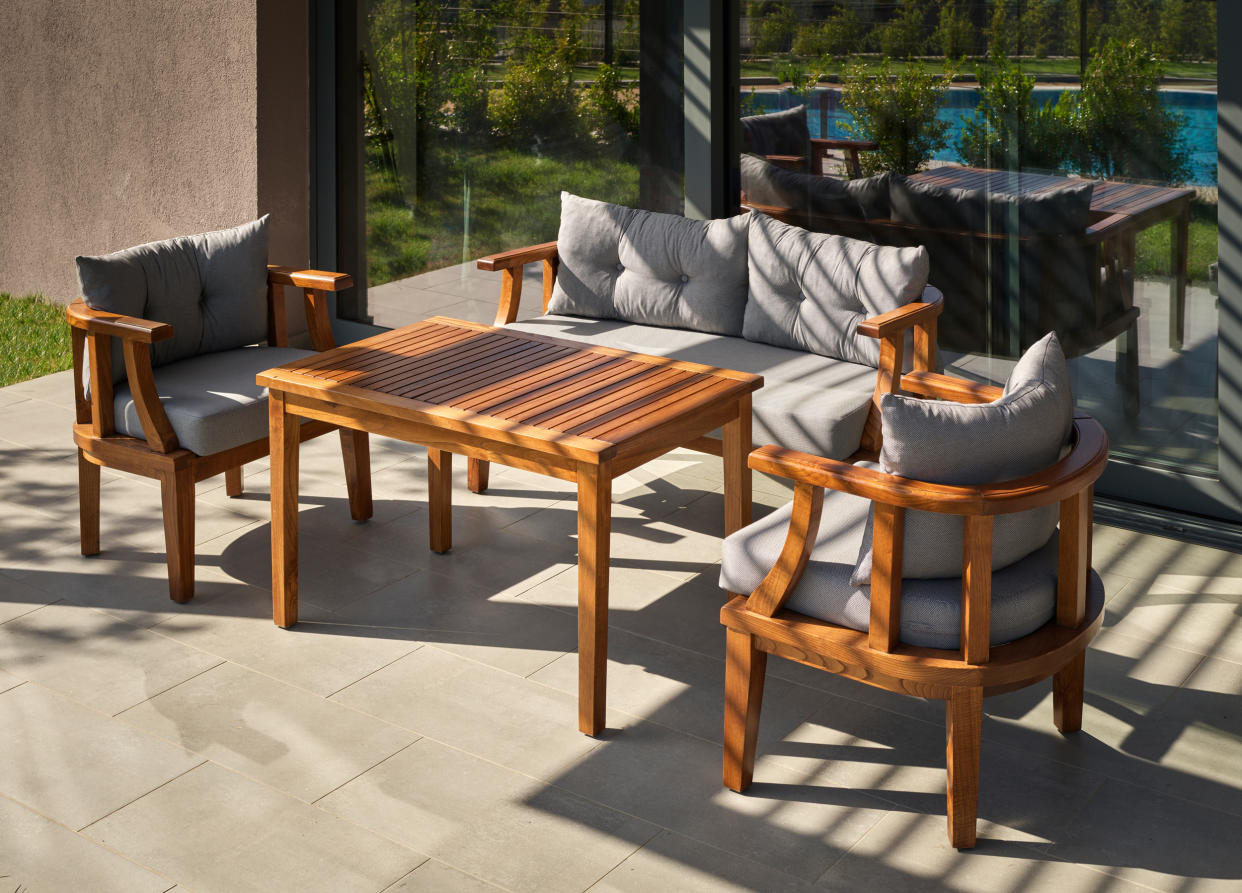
{"points": [[1022, 432], [212, 289]]}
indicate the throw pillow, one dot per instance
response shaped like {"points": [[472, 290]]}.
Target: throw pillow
{"points": [[1020, 433]]}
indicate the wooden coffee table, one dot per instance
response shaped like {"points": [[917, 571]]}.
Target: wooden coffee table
{"points": [[577, 412]]}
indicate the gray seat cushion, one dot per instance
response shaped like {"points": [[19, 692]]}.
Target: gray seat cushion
{"points": [[211, 288], [1023, 594], [1020, 433], [212, 401], [809, 291], [650, 268], [807, 402]]}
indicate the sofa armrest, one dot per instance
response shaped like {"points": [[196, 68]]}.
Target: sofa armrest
{"points": [[510, 264]]}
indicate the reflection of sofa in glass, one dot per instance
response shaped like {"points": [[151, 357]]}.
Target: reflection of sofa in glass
{"points": [[1011, 267], [784, 139]]}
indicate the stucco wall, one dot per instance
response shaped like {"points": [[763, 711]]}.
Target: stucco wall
{"points": [[135, 120]]}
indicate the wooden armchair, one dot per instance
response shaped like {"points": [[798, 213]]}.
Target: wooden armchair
{"points": [[137, 423], [784, 139], [874, 650]]}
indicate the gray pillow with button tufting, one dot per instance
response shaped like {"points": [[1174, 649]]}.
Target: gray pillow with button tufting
{"points": [[650, 268], [809, 291]]}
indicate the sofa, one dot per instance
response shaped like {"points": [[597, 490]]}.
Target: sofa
{"points": [[1013, 267], [829, 322]]}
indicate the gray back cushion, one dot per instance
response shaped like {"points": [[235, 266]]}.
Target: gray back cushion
{"points": [[650, 268], [211, 288], [809, 291], [1020, 433], [777, 133], [767, 184], [1061, 211]]}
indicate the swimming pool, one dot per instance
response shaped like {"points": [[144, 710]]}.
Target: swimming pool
{"points": [[1198, 109]]}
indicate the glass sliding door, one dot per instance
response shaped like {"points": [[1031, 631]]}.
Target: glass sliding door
{"points": [[477, 115], [1059, 161]]}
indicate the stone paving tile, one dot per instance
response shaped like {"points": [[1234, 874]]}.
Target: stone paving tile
{"points": [[95, 658], [76, 765], [492, 822], [436, 877], [40, 425], [18, 598], [283, 736], [41, 855], [217, 832]]}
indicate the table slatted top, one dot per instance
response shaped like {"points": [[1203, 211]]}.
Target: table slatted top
{"points": [[561, 387], [1107, 197]]}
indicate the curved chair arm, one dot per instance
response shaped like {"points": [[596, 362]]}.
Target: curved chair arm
{"points": [[315, 285], [137, 336], [510, 264], [946, 387], [1076, 471]]}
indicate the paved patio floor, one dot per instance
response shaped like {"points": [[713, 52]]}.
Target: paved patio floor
{"points": [[416, 731]]}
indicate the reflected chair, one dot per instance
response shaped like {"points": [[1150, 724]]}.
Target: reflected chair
{"points": [[926, 583], [784, 139], [178, 401]]}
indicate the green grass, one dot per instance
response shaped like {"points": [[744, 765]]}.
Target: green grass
{"points": [[1059, 66], [1152, 249], [34, 338], [514, 201]]}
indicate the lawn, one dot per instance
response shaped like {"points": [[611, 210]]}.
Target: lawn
{"points": [[479, 203], [1152, 248], [34, 338]]}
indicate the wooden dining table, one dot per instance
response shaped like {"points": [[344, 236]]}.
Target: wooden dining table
{"points": [[1140, 205], [574, 411]]}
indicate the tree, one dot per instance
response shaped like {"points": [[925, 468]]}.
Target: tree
{"points": [[904, 34], [1002, 28], [778, 22], [955, 33], [1123, 128], [1044, 28], [1012, 129], [1188, 29], [898, 111], [840, 34]]}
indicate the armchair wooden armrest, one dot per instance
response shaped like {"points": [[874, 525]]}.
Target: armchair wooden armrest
{"points": [[946, 387], [315, 285], [510, 264], [1106, 228], [890, 328], [130, 328], [98, 327], [820, 147]]}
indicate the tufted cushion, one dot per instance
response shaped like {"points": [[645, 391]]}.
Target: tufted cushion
{"points": [[211, 288], [1020, 433], [807, 402], [1023, 594], [212, 401], [650, 268], [809, 291], [777, 133]]}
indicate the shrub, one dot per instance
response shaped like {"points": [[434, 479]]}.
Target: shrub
{"points": [[608, 109], [536, 103], [840, 34], [898, 111], [903, 35], [1011, 129], [1123, 130], [776, 26]]}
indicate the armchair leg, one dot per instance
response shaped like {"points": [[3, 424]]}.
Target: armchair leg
{"points": [[1128, 370], [233, 482], [88, 504], [963, 727], [356, 451], [745, 666], [177, 493], [1067, 686], [476, 475]]}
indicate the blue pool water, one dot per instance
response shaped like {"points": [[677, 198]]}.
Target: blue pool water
{"points": [[1198, 110]]}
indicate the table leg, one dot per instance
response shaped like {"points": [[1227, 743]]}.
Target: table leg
{"points": [[594, 533], [440, 498], [284, 498], [1180, 248], [737, 484]]}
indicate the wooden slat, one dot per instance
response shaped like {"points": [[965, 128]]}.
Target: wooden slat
{"points": [[641, 405], [411, 342], [441, 361], [682, 402], [481, 381], [557, 417], [580, 385], [547, 379]]}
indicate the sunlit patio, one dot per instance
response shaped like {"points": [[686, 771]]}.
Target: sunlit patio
{"points": [[415, 730]]}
